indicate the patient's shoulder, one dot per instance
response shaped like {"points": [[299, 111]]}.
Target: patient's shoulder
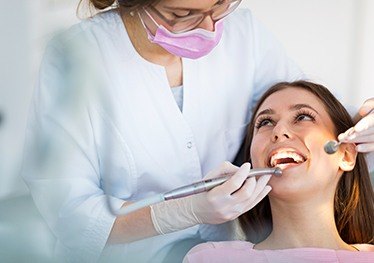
{"points": [[364, 247], [224, 245], [217, 250], [233, 244]]}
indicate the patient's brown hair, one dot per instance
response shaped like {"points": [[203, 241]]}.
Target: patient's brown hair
{"points": [[354, 197]]}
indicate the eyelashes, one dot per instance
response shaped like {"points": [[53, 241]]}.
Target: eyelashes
{"points": [[303, 113], [263, 120], [299, 116]]}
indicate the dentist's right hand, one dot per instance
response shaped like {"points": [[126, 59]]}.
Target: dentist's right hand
{"points": [[221, 204]]}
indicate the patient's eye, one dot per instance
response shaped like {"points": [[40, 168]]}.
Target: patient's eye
{"points": [[304, 115], [264, 121]]}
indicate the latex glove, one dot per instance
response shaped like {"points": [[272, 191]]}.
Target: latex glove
{"points": [[221, 204], [363, 132]]}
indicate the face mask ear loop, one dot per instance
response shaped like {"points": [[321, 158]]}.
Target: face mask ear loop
{"points": [[149, 15], [145, 27]]}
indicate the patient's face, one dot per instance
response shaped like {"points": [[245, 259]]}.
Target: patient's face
{"points": [[292, 127]]}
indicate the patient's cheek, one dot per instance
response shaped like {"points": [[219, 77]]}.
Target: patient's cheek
{"points": [[255, 158]]}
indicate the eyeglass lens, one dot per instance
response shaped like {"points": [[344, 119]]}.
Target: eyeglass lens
{"points": [[217, 13]]}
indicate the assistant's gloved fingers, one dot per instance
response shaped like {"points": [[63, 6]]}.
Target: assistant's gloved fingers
{"points": [[363, 139], [224, 169], [235, 182], [354, 134], [261, 196], [366, 107], [364, 127], [365, 147], [343, 136], [365, 123]]}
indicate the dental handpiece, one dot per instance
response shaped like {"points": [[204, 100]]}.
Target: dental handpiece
{"points": [[191, 189], [209, 184]]}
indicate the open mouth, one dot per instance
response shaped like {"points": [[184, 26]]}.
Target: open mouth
{"points": [[285, 158]]}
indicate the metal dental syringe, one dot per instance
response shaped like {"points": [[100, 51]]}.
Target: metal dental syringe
{"points": [[191, 189]]}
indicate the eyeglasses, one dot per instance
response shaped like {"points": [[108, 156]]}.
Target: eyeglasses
{"points": [[186, 23]]}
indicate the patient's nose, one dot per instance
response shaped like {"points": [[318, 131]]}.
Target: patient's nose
{"points": [[281, 132]]}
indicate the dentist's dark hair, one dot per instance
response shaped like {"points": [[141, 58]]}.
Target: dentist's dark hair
{"points": [[354, 197], [123, 6], [126, 4]]}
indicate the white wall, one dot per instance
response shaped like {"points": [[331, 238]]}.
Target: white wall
{"points": [[15, 89], [25, 26], [331, 40], [363, 54]]}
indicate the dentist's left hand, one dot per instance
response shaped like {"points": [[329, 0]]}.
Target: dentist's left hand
{"points": [[221, 204], [363, 132]]}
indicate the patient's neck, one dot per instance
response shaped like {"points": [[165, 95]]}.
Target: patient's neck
{"points": [[303, 224]]}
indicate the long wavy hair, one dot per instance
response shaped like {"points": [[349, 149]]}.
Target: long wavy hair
{"points": [[354, 197]]}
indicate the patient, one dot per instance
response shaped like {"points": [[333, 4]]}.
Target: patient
{"points": [[322, 208]]}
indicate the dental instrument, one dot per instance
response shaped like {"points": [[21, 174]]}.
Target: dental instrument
{"points": [[187, 190], [331, 146]]}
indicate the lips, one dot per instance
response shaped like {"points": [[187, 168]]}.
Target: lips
{"points": [[283, 158]]}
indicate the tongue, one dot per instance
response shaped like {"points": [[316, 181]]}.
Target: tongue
{"points": [[285, 160]]}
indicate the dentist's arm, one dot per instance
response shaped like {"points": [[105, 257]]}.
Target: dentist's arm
{"points": [[134, 226]]}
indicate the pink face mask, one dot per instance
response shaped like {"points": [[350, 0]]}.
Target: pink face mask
{"points": [[191, 44]]}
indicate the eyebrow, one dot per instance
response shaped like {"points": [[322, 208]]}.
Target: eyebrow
{"points": [[300, 106], [265, 112], [295, 107], [173, 8]]}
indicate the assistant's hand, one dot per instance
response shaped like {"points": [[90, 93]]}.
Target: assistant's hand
{"points": [[363, 132], [221, 204]]}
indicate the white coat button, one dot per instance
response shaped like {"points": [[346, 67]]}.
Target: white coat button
{"points": [[189, 145]]}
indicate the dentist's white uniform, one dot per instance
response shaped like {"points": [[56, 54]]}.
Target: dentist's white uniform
{"points": [[139, 135]]}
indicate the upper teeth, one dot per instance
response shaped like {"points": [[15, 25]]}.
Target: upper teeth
{"points": [[282, 155]]}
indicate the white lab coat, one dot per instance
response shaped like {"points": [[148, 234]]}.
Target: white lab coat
{"points": [[137, 133]]}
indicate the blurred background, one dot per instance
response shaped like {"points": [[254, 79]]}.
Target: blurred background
{"points": [[331, 40]]}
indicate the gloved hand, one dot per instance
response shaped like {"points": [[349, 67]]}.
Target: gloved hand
{"points": [[363, 132], [221, 204]]}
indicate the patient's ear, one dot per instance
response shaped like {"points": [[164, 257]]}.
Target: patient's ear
{"points": [[348, 159]]}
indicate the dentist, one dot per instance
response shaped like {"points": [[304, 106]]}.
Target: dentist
{"points": [[180, 80]]}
